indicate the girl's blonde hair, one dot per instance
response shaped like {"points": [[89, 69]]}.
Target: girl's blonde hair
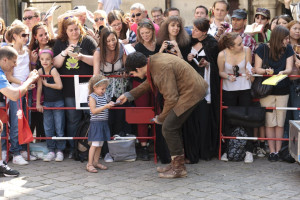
{"points": [[97, 80]]}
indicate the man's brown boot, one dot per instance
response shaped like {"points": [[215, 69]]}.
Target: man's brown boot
{"points": [[177, 169], [162, 169]]}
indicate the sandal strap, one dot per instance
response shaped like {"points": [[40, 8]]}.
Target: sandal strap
{"points": [[100, 166], [91, 168]]}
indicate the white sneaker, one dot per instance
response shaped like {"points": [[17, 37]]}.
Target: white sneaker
{"points": [[4, 153], [224, 157], [19, 160], [49, 157], [70, 155], [24, 155], [248, 157], [108, 158], [261, 152], [59, 156]]}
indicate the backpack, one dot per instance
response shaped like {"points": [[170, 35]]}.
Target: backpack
{"points": [[81, 147], [284, 153], [236, 148]]}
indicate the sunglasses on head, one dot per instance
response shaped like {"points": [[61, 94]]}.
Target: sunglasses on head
{"points": [[25, 35], [97, 19], [136, 15], [68, 17], [236, 71], [29, 17]]}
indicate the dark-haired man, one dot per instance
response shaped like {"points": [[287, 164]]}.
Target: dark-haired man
{"points": [[8, 60], [182, 88]]}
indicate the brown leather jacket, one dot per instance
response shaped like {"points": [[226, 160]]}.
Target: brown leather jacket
{"points": [[179, 83]]}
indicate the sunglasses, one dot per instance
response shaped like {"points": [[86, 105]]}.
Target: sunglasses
{"points": [[97, 19], [68, 17], [29, 17], [25, 35], [136, 15], [236, 71]]}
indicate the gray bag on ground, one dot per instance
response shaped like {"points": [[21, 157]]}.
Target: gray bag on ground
{"points": [[122, 149]]}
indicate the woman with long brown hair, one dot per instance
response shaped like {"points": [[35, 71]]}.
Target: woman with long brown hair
{"points": [[233, 60], [73, 55], [279, 55], [173, 38], [2, 30]]}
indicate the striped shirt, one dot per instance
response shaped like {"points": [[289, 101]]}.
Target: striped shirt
{"points": [[100, 101]]}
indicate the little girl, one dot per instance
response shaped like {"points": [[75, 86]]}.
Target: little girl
{"points": [[54, 120], [99, 129]]}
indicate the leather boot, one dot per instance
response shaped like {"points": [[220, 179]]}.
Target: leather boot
{"points": [[164, 169], [177, 169]]}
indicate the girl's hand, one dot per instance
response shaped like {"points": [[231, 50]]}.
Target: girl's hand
{"points": [[109, 105], [232, 78], [34, 56], [174, 43], [281, 73], [78, 56], [39, 108], [253, 70], [270, 71], [203, 63], [31, 86], [126, 41], [190, 57], [248, 75], [163, 46]]}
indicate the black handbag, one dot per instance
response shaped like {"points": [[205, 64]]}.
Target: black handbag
{"points": [[258, 90], [250, 117]]}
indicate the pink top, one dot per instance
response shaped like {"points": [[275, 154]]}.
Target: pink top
{"points": [[135, 26]]}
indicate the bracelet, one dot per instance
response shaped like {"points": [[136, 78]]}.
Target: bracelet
{"points": [[63, 55], [228, 77], [32, 63]]}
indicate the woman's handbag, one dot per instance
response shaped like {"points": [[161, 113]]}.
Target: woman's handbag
{"points": [[24, 131], [258, 90], [122, 149], [251, 117]]}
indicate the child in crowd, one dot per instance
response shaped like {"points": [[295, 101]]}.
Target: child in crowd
{"points": [[99, 129], [54, 120]]}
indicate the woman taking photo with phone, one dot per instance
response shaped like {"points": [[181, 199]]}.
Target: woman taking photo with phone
{"points": [[73, 55]]}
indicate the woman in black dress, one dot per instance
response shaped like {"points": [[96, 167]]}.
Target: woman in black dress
{"points": [[201, 130]]}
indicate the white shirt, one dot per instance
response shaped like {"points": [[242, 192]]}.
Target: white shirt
{"points": [[109, 5], [214, 28], [21, 71]]}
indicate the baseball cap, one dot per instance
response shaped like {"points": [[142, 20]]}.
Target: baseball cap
{"points": [[239, 13]]}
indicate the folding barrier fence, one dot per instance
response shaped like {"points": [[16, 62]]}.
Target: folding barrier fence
{"points": [[248, 138], [133, 115]]}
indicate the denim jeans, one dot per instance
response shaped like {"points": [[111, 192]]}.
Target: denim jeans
{"points": [[54, 122], [15, 148], [3, 133], [73, 118]]}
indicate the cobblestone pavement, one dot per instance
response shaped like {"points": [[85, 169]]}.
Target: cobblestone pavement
{"points": [[138, 180]]}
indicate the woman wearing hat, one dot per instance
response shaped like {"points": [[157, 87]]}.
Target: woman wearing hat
{"points": [[262, 16]]}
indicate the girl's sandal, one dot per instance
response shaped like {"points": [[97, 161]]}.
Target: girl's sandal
{"points": [[91, 168], [100, 166]]}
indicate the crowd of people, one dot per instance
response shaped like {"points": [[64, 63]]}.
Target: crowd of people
{"points": [[215, 47]]}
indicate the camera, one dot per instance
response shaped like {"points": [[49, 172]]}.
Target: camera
{"points": [[77, 49], [170, 45], [225, 25]]}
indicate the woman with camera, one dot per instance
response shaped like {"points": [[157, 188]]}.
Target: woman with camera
{"points": [[279, 56], [234, 64], [173, 38], [73, 55]]}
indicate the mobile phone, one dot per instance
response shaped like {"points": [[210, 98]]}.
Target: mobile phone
{"points": [[76, 49]]}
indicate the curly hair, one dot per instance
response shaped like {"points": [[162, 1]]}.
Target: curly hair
{"points": [[94, 80], [227, 40], [182, 38], [62, 27]]}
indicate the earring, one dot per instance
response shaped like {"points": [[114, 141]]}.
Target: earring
{"points": [[36, 41]]}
